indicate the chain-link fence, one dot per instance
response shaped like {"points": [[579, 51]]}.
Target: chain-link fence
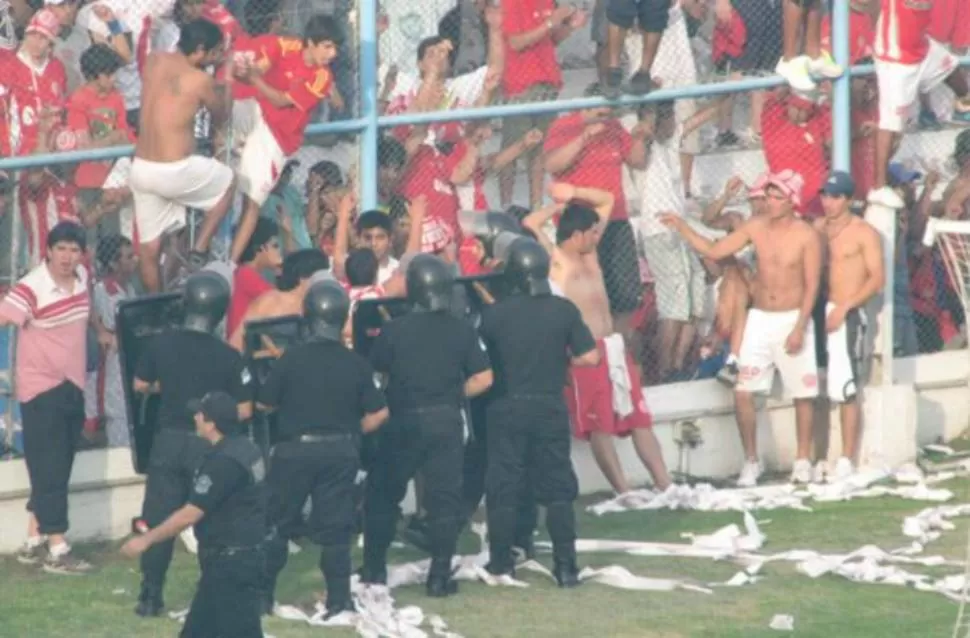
{"points": [[457, 82]]}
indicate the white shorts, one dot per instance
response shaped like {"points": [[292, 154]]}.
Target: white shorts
{"points": [[846, 352], [900, 85], [261, 162], [161, 191], [763, 350]]}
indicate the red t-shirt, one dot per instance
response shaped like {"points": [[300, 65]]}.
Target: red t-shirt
{"points": [[305, 85], [247, 284], [862, 33], [536, 64], [246, 49], [800, 148], [428, 174], [600, 163], [30, 91], [469, 257], [91, 117], [864, 149], [901, 31]]}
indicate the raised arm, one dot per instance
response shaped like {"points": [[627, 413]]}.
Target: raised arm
{"points": [[713, 250]]}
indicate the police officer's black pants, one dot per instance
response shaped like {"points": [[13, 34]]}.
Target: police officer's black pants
{"points": [[227, 600], [325, 471], [52, 426], [476, 463], [175, 456], [429, 440], [529, 441]]}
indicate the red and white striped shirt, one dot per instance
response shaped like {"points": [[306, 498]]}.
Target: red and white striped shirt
{"points": [[53, 322], [41, 209], [901, 31]]}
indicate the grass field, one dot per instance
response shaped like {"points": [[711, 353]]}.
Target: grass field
{"points": [[37, 604]]}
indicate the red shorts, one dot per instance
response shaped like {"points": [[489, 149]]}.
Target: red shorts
{"points": [[589, 397]]}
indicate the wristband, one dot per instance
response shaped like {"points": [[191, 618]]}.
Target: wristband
{"points": [[115, 27]]}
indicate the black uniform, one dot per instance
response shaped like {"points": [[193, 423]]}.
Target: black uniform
{"points": [[186, 364], [229, 488], [322, 391], [427, 356], [531, 336]]}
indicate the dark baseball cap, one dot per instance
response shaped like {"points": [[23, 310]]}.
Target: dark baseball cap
{"points": [[839, 184], [219, 408]]}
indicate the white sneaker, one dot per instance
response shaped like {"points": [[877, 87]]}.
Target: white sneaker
{"points": [[825, 66], [887, 197], [843, 469], [820, 472], [795, 72], [801, 472], [750, 473]]}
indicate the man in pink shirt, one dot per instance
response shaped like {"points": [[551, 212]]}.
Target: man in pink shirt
{"points": [[261, 253], [50, 306]]}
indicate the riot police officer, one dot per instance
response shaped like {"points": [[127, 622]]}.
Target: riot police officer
{"points": [[432, 361], [227, 505], [532, 337], [325, 395], [180, 365]]}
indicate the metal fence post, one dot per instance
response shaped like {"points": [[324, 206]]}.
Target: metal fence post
{"points": [[368, 168]]}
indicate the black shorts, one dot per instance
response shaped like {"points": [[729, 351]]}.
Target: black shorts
{"points": [[821, 336], [621, 267], [650, 15], [762, 48]]}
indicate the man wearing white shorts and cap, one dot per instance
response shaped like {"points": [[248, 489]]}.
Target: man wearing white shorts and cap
{"points": [[779, 333], [166, 178]]}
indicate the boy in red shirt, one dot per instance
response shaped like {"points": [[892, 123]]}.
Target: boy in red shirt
{"points": [[292, 77], [261, 253]]}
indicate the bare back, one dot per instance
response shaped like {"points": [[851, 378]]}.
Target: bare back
{"points": [[781, 251], [269, 305], [581, 280], [172, 93], [844, 255]]}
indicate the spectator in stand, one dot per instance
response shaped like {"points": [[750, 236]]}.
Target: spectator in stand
{"points": [[96, 117], [37, 85], [391, 162], [651, 18], [50, 306], [374, 230], [750, 33], [802, 24], [911, 222], [531, 29], [324, 190], [680, 282], [293, 77], [589, 148], [865, 123], [14, 16], [470, 167], [262, 254], [957, 193], [797, 132], [71, 42], [361, 268], [116, 256], [466, 27], [908, 63]]}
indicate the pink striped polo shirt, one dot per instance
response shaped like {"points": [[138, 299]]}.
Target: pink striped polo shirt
{"points": [[53, 322]]}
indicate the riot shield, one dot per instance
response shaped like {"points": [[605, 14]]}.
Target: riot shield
{"points": [[137, 321], [370, 315], [266, 340], [482, 291]]}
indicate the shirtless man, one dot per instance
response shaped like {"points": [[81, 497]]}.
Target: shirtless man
{"points": [[299, 273], [576, 271], [852, 251], [166, 178], [779, 331]]}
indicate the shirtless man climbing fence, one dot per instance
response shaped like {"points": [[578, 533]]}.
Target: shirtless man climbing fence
{"points": [[852, 252], [595, 413], [779, 332], [166, 177]]}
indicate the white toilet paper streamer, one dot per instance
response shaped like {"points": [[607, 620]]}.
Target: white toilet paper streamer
{"points": [[378, 617]]}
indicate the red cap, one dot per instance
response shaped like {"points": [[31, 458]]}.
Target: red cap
{"points": [[788, 182], [46, 23]]}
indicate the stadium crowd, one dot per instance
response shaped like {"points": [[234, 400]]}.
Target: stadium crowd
{"points": [[71, 79]]}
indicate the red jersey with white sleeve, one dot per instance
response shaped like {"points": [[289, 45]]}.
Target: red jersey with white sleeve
{"points": [[901, 31], [30, 90], [305, 85]]}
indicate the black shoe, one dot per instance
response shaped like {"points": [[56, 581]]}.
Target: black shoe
{"points": [[373, 575], [338, 608], [267, 606], [566, 573], [525, 547], [639, 84], [416, 534], [150, 603], [499, 570], [441, 586], [612, 83]]}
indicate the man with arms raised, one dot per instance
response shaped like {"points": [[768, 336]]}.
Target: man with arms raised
{"points": [[166, 178], [596, 409], [779, 332], [852, 251]]}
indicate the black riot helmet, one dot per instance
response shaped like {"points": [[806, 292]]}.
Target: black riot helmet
{"points": [[487, 227], [527, 267], [430, 283], [206, 298], [325, 310]]}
